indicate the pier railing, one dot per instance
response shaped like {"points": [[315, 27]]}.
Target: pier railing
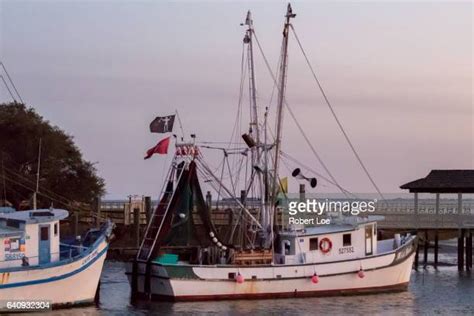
{"points": [[402, 215], [398, 213]]}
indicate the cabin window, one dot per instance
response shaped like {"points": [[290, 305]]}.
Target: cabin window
{"points": [[231, 275], [313, 244], [346, 240], [55, 229], [44, 233], [13, 223]]}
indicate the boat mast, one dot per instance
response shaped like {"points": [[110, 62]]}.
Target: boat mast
{"points": [[281, 100], [254, 128]]}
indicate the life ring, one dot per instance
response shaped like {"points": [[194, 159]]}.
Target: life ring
{"points": [[325, 245]]}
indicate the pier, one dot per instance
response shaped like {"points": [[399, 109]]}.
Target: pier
{"points": [[459, 219], [432, 218]]}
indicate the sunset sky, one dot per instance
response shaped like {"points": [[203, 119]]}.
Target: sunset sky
{"points": [[399, 75]]}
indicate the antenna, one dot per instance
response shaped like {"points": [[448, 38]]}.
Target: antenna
{"points": [[37, 175]]}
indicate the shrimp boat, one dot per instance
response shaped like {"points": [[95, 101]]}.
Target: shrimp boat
{"points": [[186, 255], [36, 265]]}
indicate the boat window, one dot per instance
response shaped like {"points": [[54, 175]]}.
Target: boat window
{"points": [[231, 275], [346, 240], [313, 244], [13, 223], [55, 229], [44, 233]]}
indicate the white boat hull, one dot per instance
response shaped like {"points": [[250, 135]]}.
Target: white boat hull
{"points": [[60, 284], [384, 272]]}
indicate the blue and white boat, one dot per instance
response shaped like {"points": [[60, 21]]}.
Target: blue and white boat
{"points": [[36, 265]]}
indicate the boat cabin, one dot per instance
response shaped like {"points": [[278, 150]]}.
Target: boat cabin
{"points": [[29, 238], [325, 243]]}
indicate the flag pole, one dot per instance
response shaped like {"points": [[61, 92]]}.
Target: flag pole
{"points": [[180, 124]]}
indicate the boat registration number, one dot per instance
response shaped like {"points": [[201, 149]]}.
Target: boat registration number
{"points": [[346, 250]]}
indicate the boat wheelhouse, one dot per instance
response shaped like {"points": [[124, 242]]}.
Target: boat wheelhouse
{"points": [[30, 237], [35, 264], [352, 237]]}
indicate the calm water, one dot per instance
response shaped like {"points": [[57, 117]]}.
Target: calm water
{"points": [[442, 292]]}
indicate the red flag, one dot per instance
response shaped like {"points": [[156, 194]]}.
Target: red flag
{"points": [[160, 148]]}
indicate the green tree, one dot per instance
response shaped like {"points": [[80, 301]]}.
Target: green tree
{"points": [[66, 179]]}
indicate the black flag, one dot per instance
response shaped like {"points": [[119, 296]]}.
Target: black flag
{"points": [[162, 124]]}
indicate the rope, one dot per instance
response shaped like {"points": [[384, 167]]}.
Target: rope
{"points": [[44, 192], [313, 150], [289, 157], [8, 88], [335, 116], [11, 81]]}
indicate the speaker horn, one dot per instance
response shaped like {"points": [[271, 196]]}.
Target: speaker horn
{"points": [[313, 182]]}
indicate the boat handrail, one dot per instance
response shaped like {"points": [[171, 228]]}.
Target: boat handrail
{"points": [[73, 246]]}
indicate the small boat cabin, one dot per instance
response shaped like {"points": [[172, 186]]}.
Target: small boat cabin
{"points": [[29, 238], [324, 243]]}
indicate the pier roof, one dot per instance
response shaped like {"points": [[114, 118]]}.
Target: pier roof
{"points": [[443, 181]]}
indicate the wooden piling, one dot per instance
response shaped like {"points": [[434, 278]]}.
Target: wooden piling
{"points": [[148, 210], [134, 283], [136, 224], [243, 196], [461, 250], [436, 249], [302, 192], [417, 254], [468, 250], [436, 233], [208, 199], [425, 250]]}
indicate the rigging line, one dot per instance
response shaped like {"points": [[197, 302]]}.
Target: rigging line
{"points": [[241, 88], [230, 175], [222, 176], [8, 88], [226, 192], [289, 157], [31, 182], [71, 206], [11, 81], [296, 121], [274, 83], [356, 154], [44, 190], [179, 122], [237, 143]]}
